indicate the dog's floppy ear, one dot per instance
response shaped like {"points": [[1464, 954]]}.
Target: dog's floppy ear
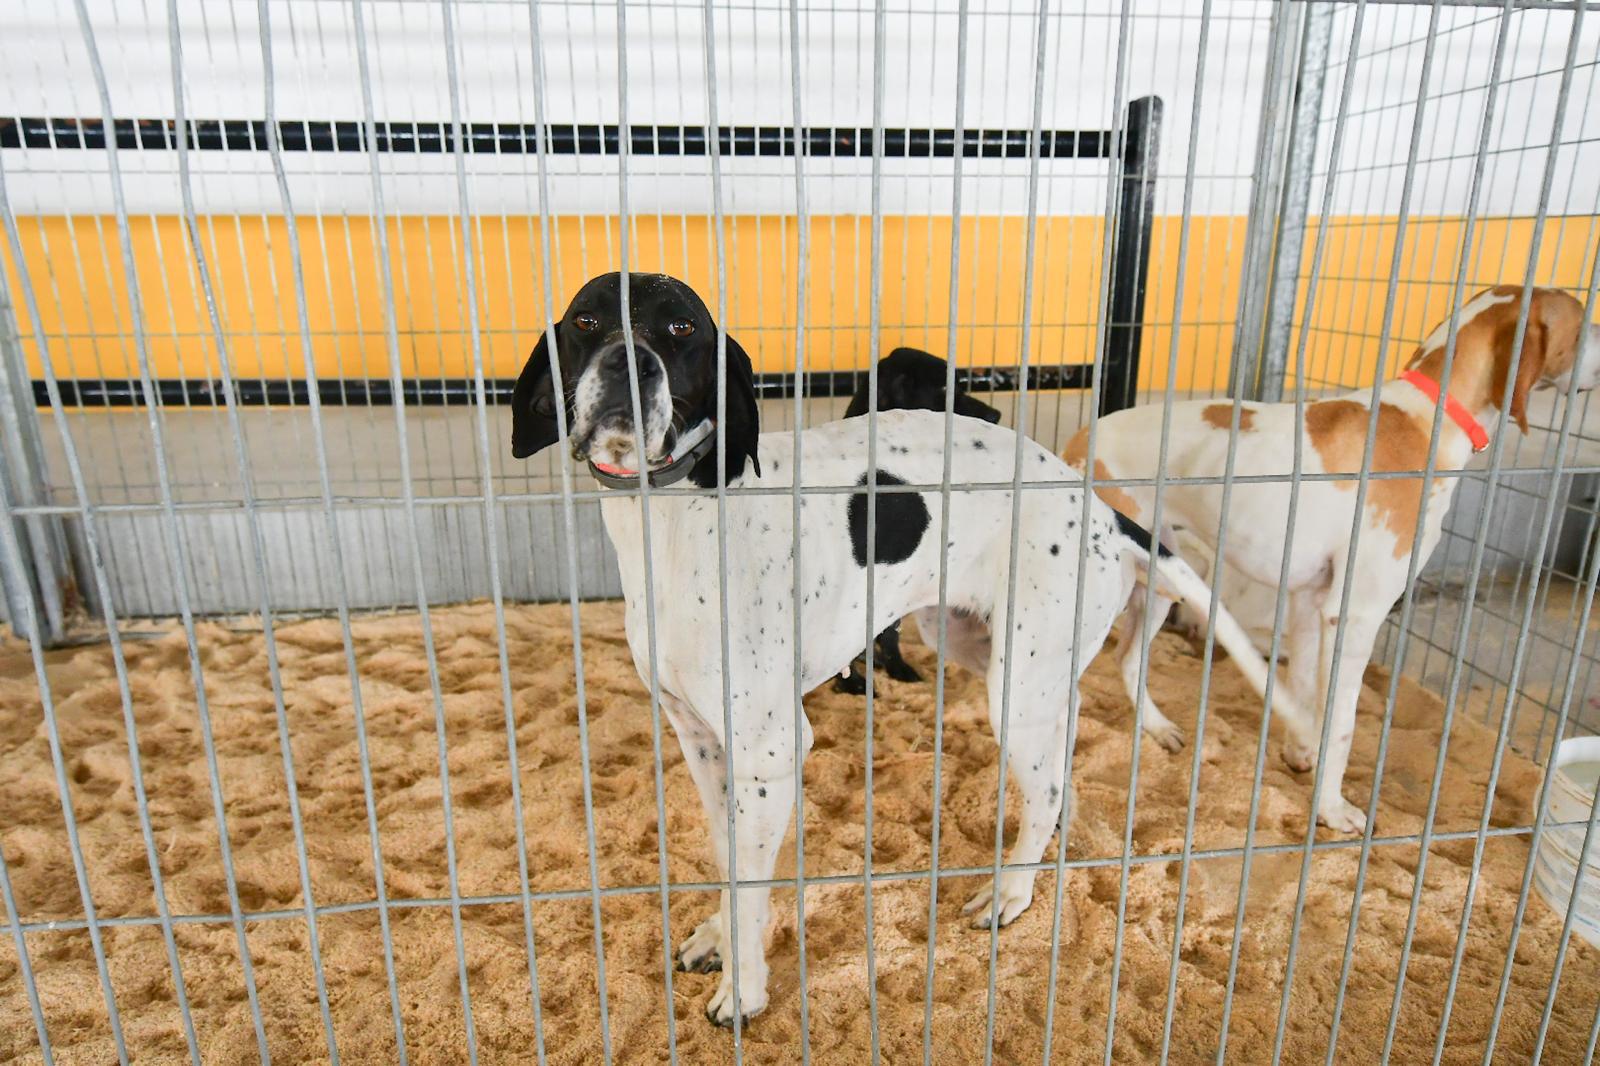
{"points": [[1554, 336], [1551, 348], [533, 405], [1531, 366], [974, 408], [858, 401], [740, 427]]}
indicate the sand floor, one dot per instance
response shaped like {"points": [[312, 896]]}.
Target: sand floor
{"points": [[400, 725]]}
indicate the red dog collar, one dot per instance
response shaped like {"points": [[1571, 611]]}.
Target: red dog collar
{"points": [[1452, 407]]}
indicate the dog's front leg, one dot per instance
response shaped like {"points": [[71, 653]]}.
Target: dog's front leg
{"points": [[1304, 640], [893, 663], [1360, 633], [701, 951], [763, 794], [763, 800]]}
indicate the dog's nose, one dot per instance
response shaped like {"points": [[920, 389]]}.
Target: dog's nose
{"points": [[615, 361]]}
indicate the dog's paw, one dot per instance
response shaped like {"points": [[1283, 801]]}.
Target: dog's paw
{"points": [[701, 951], [1342, 816], [1016, 894], [1299, 757], [853, 685], [1168, 735], [752, 1001]]}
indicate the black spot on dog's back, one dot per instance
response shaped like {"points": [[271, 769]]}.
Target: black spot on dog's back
{"points": [[901, 522]]}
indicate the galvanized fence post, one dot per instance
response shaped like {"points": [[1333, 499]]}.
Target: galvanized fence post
{"points": [[43, 577], [1266, 190], [1260, 369]]}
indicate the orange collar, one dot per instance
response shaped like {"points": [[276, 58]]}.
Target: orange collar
{"points": [[1452, 407]]}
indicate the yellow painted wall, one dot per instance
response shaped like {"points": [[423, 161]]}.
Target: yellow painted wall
{"points": [[75, 265], [1357, 266]]}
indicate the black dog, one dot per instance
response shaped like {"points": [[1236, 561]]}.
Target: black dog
{"points": [[908, 379]]}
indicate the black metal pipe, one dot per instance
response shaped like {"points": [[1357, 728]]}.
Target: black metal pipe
{"points": [[1130, 258]]}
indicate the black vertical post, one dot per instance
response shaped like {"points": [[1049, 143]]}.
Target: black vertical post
{"points": [[1130, 261]]}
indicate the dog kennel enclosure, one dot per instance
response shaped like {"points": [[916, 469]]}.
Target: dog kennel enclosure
{"points": [[271, 266]]}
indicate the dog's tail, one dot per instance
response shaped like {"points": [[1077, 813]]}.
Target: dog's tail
{"points": [[1188, 587]]}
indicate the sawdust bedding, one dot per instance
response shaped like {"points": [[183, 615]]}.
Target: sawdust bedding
{"points": [[400, 724]]}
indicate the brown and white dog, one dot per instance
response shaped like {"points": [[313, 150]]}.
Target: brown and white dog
{"points": [[1558, 345]]}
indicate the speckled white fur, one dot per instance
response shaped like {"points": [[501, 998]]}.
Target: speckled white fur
{"points": [[834, 628]]}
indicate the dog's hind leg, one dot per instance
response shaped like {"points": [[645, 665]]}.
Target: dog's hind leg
{"points": [[1034, 728], [1138, 632], [1036, 754], [1036, 725]]}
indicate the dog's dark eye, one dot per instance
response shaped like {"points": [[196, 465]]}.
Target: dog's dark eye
{"points": [[586, 323], [680, 327]]}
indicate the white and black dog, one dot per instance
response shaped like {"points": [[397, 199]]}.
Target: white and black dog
{"points": [[674, 341], [908, 380]]}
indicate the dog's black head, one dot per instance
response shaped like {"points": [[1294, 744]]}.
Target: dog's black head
{"points": [[675, 351], [909, 379]]}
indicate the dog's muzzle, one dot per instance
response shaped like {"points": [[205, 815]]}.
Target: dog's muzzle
{"points": [[612, 429], [690, 448]]}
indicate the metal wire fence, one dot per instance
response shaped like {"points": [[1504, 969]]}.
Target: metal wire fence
{"points": [[236, 233]]}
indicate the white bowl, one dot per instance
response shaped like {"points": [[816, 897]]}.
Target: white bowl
{"points": [[1573, 786], [1572, 791]]}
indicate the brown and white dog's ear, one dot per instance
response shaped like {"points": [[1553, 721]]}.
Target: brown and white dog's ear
{"points": [[1077, 450], [1549, 348], [1531, 367], [533, 405]]}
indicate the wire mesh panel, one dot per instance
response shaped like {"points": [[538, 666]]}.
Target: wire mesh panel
{"points": [[336, 727], [61, 192], [1509, 211]]}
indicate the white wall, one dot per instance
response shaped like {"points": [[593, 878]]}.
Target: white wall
{"points": [[44, 70]]}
